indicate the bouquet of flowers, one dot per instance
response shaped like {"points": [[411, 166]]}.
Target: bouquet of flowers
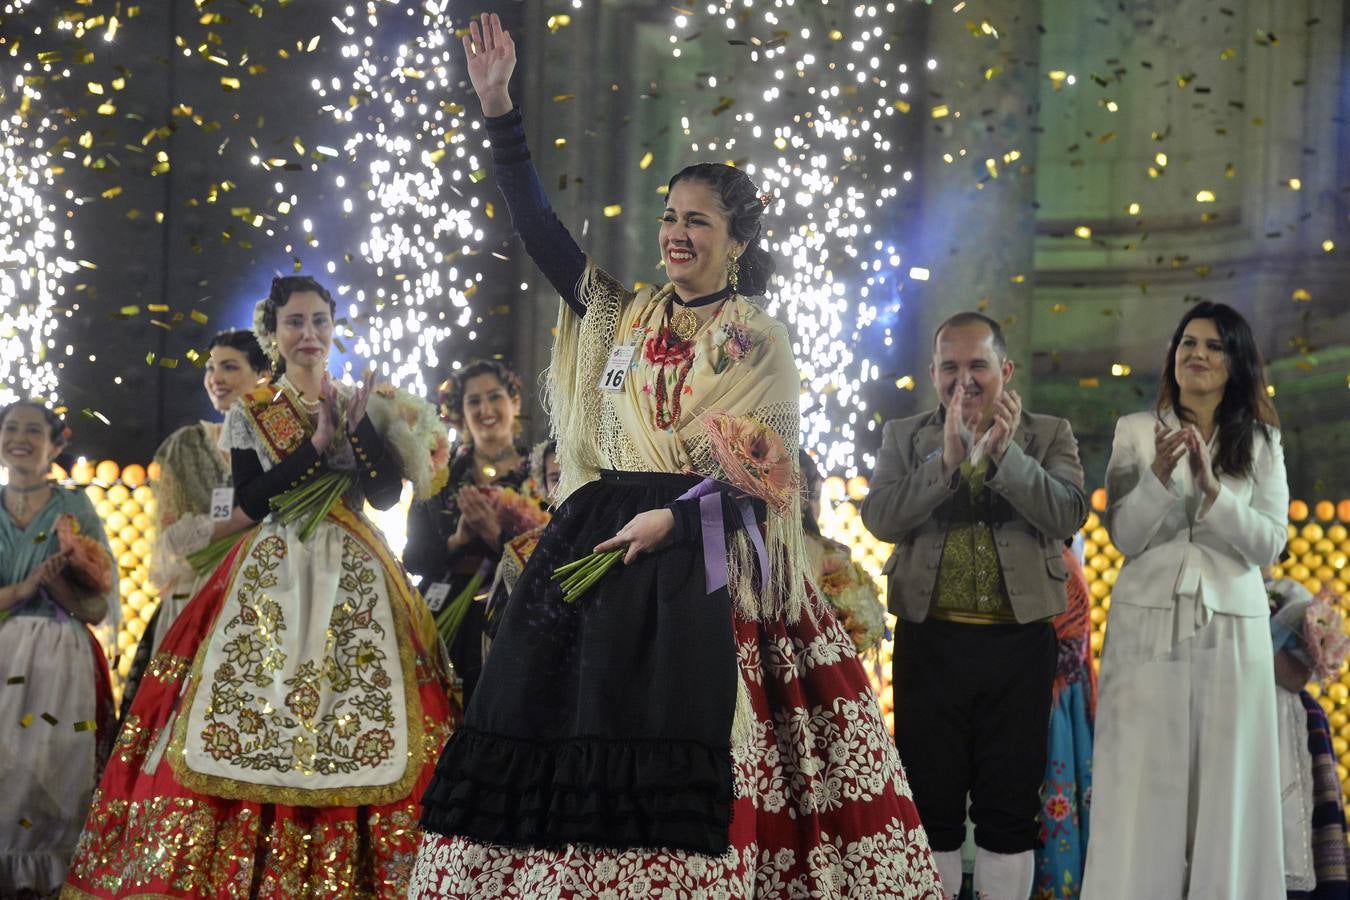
{"points": [[516, 514], [413, 431], [753, 457], [1323, 636], [90, 564], [854, 598]]}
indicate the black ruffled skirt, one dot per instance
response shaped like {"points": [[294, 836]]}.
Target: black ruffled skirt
{"points": [[605, 721]]}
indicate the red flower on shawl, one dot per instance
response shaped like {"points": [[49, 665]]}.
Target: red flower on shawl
{"points": [[665, 349]]}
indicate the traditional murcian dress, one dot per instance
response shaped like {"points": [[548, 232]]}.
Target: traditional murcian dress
{"points": [[54, 696], [283, 733], [1067, 791], [696, 724], [191, 466]]}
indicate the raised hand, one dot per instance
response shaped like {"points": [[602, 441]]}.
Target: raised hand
{"points": [[491, 59], [1168, 449]]}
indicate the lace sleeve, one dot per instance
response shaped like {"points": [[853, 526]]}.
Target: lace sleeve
{"points": [[237, 434], [169, 567]]}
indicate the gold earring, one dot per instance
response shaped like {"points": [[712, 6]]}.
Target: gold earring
{"points": [[733, 272]]}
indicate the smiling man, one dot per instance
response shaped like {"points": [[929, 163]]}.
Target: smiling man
{"points": [[978, 498]]}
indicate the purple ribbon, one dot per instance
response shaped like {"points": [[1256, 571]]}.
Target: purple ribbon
{"points": [[708, 492]]}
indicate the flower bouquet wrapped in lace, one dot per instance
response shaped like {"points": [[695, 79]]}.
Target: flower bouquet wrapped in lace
{"points": [[90, 565], [412, 430]]}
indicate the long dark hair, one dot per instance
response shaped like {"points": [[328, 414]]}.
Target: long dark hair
{"points": [[280, 294], [745, 214], [1245, 407], [246, 343]]}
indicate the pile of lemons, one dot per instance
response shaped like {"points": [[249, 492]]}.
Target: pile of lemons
{"points": [[1317, 557]]}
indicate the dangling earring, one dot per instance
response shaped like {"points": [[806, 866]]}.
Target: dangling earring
{"points": [[733, 272]]}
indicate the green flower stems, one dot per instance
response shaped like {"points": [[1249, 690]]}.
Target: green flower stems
{"points": [[310, 502], [580, 576], [207, 558], [450, 618]]}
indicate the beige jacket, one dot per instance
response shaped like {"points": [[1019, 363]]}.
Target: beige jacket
{"points": [[1040, 503]]}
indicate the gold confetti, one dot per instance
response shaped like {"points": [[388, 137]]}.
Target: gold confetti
{"points": [[940, 111], [614, 209], [561, 20], [1328, 245], [50, 719], [111, 192], [646, 161], [86, 725], [1205, 196], [562, 98], [229, 82], [560, 142], [905, 382], [1059, 308], [25, 823], [1301, 295], [1083, 232], [1294, 184], [199, 317], [15, 679], [1120, 370], [1089, 382], [1132, 209]]}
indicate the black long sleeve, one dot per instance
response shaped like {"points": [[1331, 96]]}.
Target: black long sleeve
{"points": [[546, 239], [254, 488], [377, 469]]}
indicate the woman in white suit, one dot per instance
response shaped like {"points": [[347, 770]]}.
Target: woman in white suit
{"points": [[1185, 771]]}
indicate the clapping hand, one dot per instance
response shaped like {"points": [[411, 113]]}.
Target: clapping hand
{"points": [[326, 426], [491, 59], [1168, 449], [44, 573], [480, 515], [356, 407], [1007, 415], [1202, 465], [955, 434]]}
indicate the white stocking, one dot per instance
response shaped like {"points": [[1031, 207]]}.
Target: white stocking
{"points": [[949, 869], [1003, 876]]}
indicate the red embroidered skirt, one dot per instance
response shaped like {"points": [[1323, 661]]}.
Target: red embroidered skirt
{"points": [[149, 835], [821, 807]]}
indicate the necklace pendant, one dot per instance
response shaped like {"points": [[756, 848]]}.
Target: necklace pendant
{"points": [[684, 324]]}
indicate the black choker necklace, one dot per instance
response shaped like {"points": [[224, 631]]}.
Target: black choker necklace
{"points": [[684, 324], [701, 301]]}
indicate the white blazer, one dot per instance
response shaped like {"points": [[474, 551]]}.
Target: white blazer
{"points": [[1171, 550]]}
